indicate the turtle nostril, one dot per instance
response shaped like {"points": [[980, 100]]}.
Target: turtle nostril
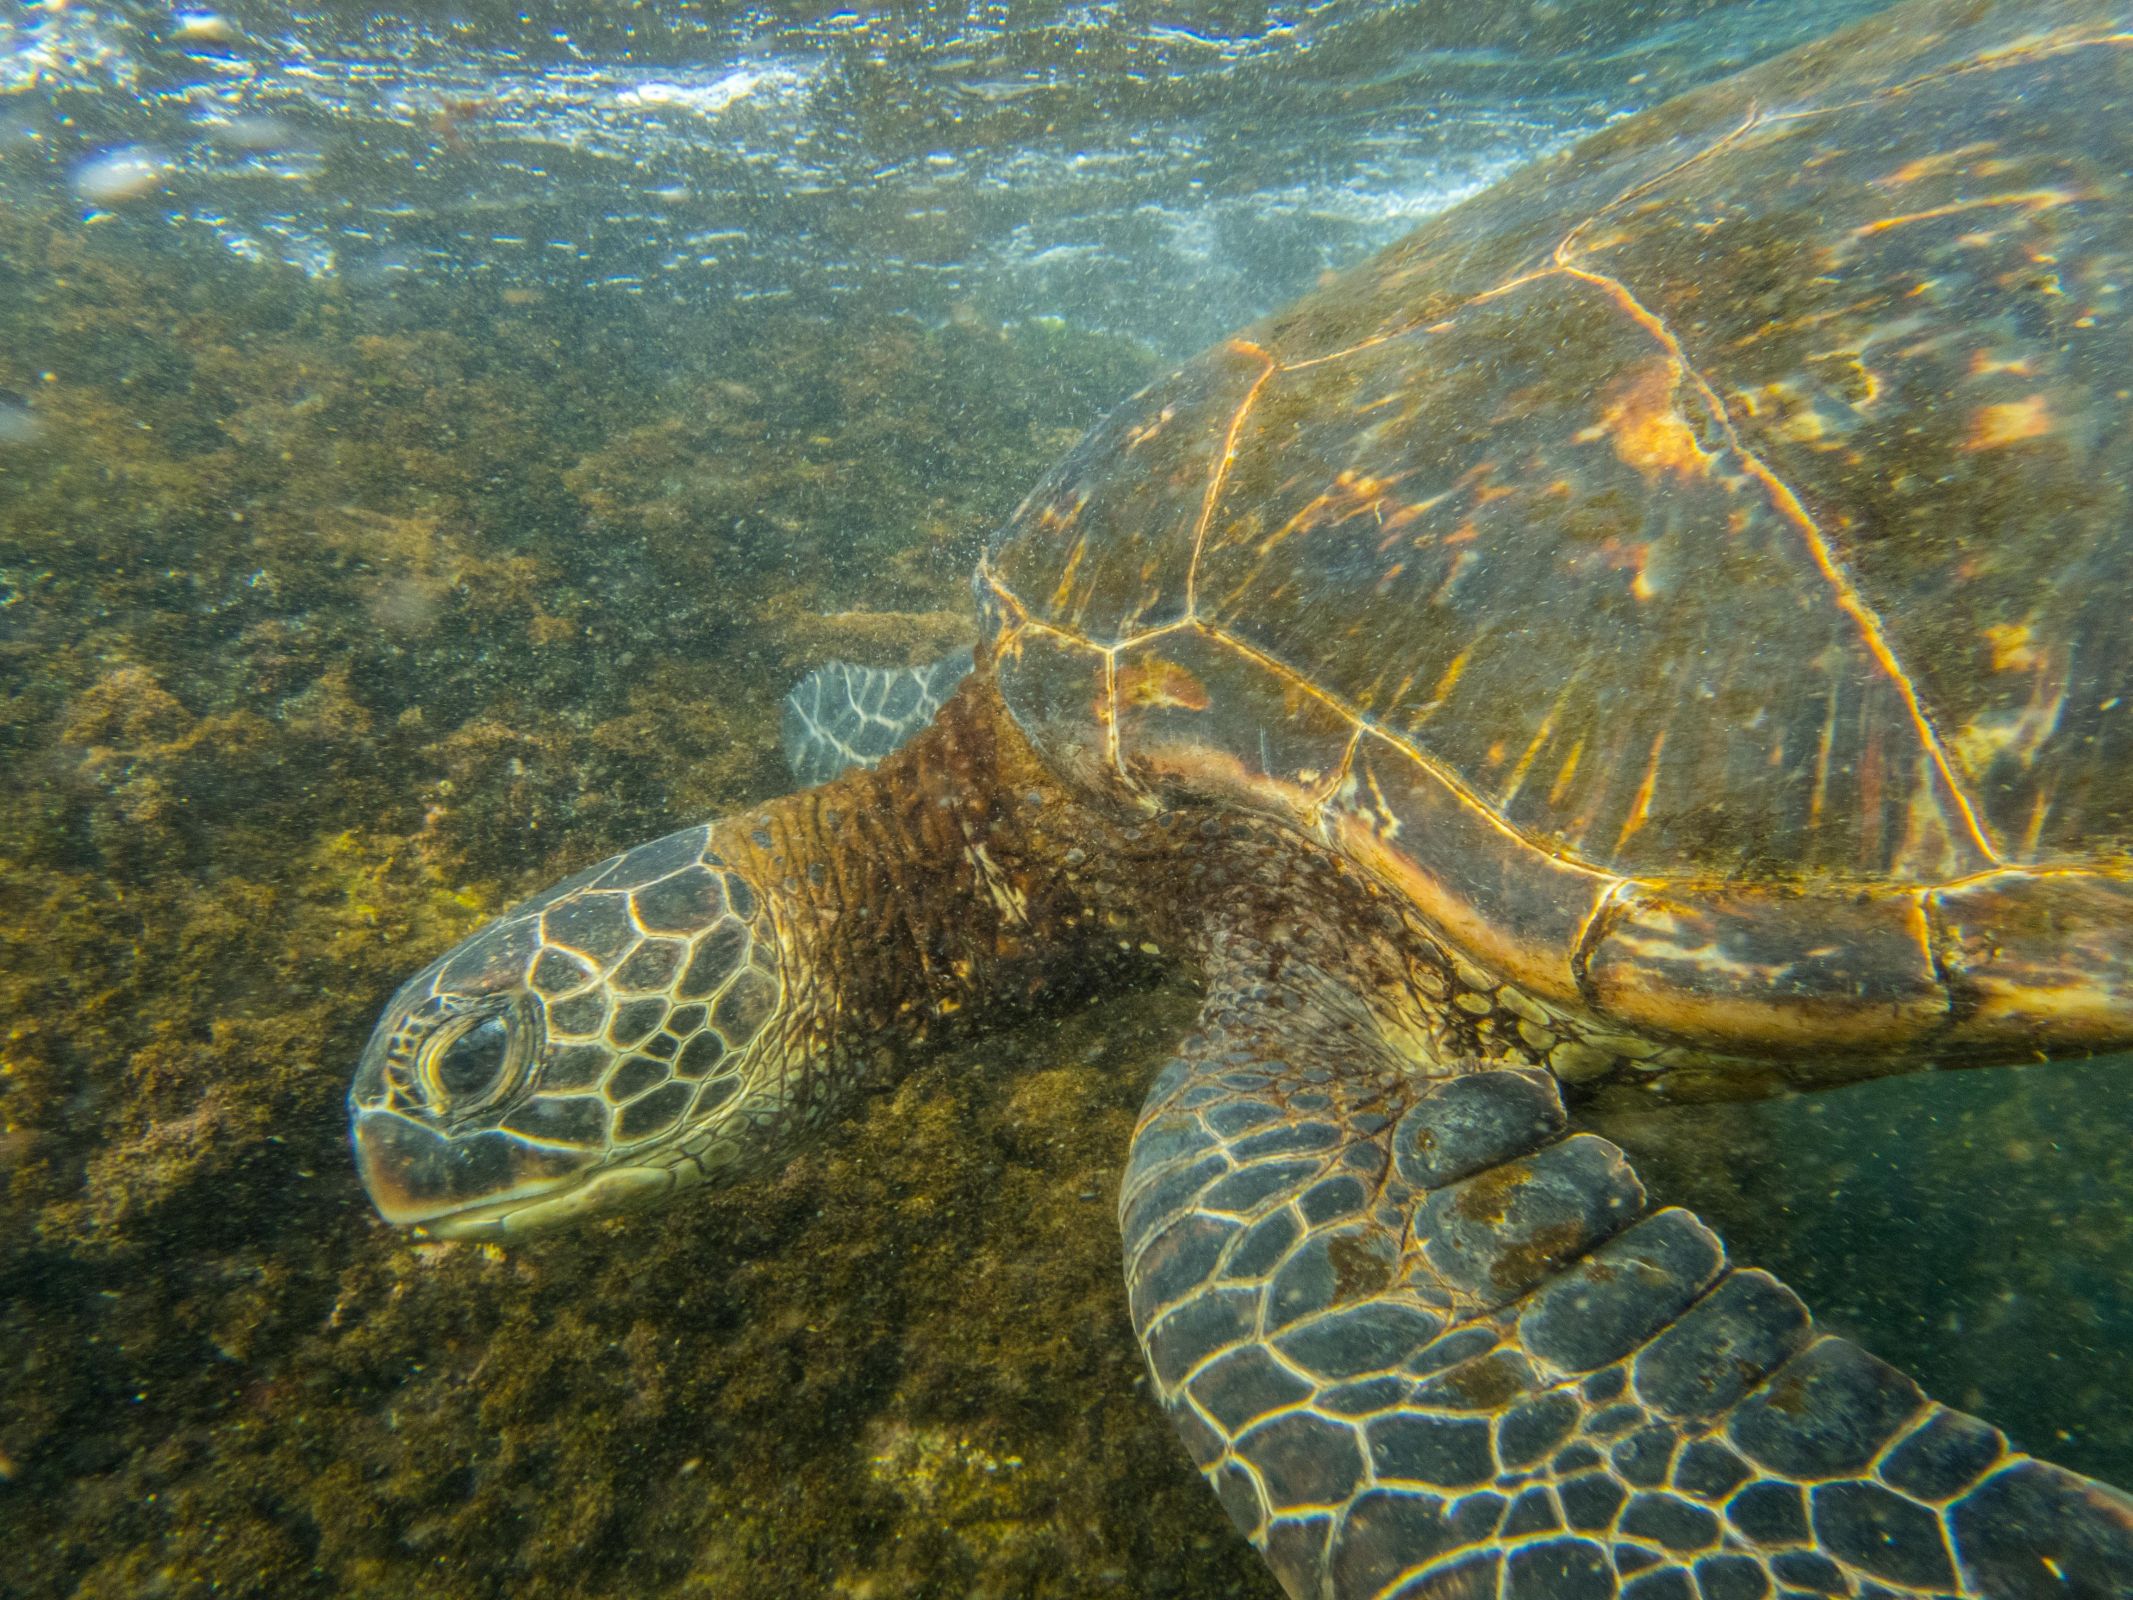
{"points": [[469, 1069]]}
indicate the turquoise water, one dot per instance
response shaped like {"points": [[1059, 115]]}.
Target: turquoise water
{"points": [[429, 446]]}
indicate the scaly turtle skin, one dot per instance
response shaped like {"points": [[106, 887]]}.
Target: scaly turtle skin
{"points": [[1665, 623]]}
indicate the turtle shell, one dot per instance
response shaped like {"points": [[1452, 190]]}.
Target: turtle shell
{"points": [[1698, 571]]}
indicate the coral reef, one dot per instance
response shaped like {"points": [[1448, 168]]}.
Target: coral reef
{"points": [[331, 621]]}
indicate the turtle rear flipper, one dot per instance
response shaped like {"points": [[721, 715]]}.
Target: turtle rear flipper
{"points": [[1421, 1337], [840, 716]]}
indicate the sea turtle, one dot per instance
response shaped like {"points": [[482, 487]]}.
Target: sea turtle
{"points": [[1664, 623]]}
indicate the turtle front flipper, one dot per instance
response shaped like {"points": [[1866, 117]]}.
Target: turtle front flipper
{"points": [[840, 716], [1425, 1341]]}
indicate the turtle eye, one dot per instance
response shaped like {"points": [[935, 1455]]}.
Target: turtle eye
{"points": [[470, 1067]]}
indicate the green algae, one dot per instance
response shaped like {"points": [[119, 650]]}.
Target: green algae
{"points": [[329, 625]]}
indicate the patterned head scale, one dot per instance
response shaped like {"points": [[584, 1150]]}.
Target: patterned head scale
{"points": [[598, 1045]]}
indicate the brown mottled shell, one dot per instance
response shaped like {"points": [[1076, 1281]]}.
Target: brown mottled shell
{"points": [[1698, 571]]}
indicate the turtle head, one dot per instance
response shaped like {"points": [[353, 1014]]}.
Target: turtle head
{"points": [[603, 1045]]}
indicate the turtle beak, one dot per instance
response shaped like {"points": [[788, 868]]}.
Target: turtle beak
{"points": [[487, 1185], [420, 1176], [399, 1188]]}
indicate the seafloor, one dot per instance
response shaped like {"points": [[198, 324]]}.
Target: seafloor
{"points": [[333, 619]]}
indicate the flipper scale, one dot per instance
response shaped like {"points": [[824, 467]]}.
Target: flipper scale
{"points": [[840, 716]]}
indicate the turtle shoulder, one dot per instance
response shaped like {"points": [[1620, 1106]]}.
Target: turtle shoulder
{"points": [[1696, 571]]}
